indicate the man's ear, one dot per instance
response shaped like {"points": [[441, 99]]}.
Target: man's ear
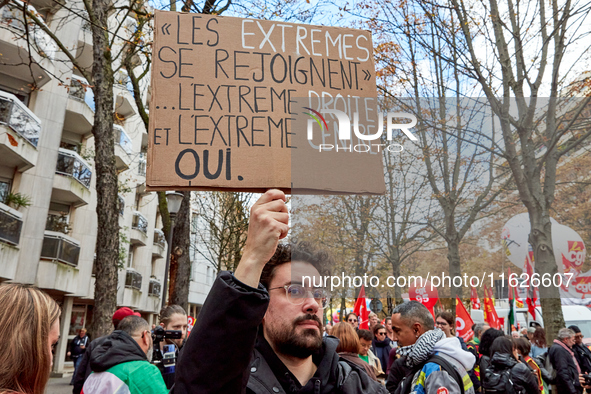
{"points": [[162, 325], [417, 328], [146, 340]]}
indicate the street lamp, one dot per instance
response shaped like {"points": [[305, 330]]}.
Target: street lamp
{"points": [[173, 201]]}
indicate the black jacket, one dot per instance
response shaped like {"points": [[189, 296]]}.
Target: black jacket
{"points": [[583, 355], [521, 376], [225, 354], [398, 371], [567, 375], [382, 349], [84, 370], [117, 348], [75, 349]]}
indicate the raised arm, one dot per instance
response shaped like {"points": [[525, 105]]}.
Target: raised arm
{"points": [[217, 355]]}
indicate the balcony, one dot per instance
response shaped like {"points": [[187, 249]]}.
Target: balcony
{"points": [[85, 44], [123, 92], [72, 181], [80, 108], [155, 288], [11, 223], [159, 244], [19, 133], [14, 47], [123, 148], [141, 167], [59, 247], [139, 229], [133, 279]]}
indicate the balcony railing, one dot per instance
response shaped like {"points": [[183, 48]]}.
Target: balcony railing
{"points": [[12, 15], [10, 225], [159, 238], [141, 168], [57, 223], [122, 79], [122, 139], [139, 222], [19, 118], [58, 247], [133, 279], [80, 90], [69, 163], [155, 288]]}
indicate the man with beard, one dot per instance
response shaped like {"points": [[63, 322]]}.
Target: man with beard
{"points": [[260, 330], [429, 362], [120, 363]]}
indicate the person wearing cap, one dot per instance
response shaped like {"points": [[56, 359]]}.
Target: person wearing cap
{"points": [[83, 370], [582, 352]]}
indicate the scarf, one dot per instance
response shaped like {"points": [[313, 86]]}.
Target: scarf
{"points": [[422, 348], [560, 343]]}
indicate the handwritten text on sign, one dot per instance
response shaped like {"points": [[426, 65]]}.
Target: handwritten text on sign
{"points": [[223, 91]]}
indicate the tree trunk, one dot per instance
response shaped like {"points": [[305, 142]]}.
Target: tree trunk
{"points": [[107, 240], [453, 258], [540, 238], [179, 289]]}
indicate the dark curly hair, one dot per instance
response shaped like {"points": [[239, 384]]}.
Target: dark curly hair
{"points": [[487, 339], [295, 251]]}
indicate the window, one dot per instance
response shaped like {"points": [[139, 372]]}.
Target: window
{"points": [[130, 256], [5, 185], [58, 218]]}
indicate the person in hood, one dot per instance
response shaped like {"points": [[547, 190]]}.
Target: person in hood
{"points": [[505, 359], [418, 342], [260, 329], [120, 363], [83, 371]]}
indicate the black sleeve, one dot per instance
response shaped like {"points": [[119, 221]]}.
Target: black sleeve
{"points": [[525, 378], [398, 371], [83, 370], [217, 354]]}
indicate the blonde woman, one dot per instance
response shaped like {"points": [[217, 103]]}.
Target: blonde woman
{"points": [[29, 328]]}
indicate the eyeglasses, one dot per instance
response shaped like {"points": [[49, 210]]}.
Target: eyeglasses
{"points": [[296, 294], [381, 333], [352, 320]]}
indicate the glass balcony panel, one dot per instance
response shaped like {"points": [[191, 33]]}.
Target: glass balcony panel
{"points": [[141, 169], [159, 238], [60, 249], [19, 118], [72, 165], [79, 90], [122, 139], [140, 223], [10, 227]]}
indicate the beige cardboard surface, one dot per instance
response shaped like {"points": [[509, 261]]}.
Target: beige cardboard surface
{"points": [[223, 104]]}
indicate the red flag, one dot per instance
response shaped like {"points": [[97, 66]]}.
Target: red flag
{"points": [[464, 322], [490, 314], [474, 299], [532, 292], [426, 295], [361, 311]]}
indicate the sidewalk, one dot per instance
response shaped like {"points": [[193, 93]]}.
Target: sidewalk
{"points": [[59, 386]]}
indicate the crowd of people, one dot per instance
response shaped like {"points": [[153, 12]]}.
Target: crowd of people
{"points": [[261, 331]]}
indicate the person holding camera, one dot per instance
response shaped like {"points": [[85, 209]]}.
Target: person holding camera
{"points": [[120, 364], [169, 338]]}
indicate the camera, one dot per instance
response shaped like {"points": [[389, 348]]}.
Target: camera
{"points": [[587, 379], [166, 356]]}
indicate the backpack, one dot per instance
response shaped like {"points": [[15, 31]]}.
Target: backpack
{"points": [[498, 382], [405, 384]]}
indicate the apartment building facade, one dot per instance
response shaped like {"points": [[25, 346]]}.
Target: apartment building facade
{"points": [[48, 221]]}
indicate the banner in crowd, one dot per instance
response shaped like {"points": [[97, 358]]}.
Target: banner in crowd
{"points": [[361, 310], [426, 295]]}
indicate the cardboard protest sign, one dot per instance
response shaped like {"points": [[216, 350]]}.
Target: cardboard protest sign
{"points": [[224, 102]]}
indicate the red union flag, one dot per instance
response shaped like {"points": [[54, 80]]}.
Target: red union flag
{"points": [[361, 311], [464, 322], [490, 314], [426, 295], [474, 299]]}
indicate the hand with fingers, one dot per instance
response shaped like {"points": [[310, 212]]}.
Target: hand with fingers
{"points": [[268, 224]]}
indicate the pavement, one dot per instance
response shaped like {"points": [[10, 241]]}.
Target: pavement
{"points": [[59, 385]]}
